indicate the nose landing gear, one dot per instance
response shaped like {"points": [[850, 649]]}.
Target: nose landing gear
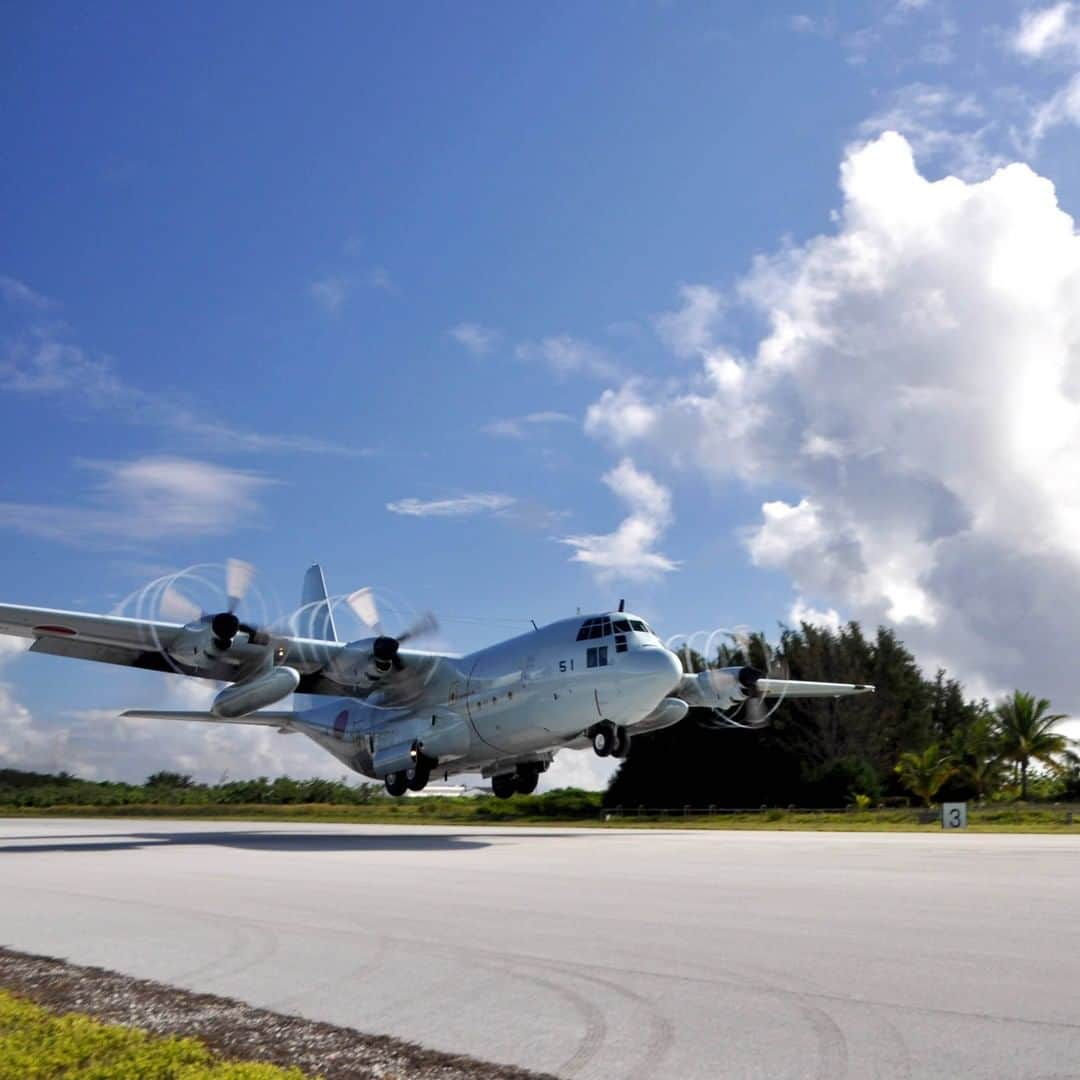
{"points": [[608, 740]]}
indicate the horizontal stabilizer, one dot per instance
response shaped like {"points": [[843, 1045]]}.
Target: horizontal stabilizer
{"points": [[265, 719]]}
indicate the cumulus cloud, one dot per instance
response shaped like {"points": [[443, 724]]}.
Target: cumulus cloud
{"points": [[918, 389], [689, 330], [629, 552], [145, 499], [479, 340], [458, 506], [943, 125]]}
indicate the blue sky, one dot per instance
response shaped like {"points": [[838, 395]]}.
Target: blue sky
{"points": [[271, 278]]}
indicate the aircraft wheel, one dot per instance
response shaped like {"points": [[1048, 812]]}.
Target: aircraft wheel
{"points": [[396, 783], [417, 777], [504, 785], [604, 738], [526, 781], [622, 743]]}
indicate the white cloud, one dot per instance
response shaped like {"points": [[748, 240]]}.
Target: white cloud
{"points": [[628, 552], [459, 506], [519, 426], [689, 331], [801, 612], [1049, 30], [330, 292], [37, 363], [379, 278], [931, 344], [816, 25], [18, 292], [578, 769], [479, 340], [1063, 107], [942, 125], [146, 499], [566, 355]]}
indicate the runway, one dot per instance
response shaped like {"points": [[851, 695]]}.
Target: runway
{"points": [[590, 953]]}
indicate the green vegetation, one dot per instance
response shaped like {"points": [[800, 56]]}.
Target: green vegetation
{"points": [[1025, 732], [915, 737], [37, 1045], [925, 772]]}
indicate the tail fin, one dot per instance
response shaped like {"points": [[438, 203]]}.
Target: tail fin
{"points": [[319, 617]]}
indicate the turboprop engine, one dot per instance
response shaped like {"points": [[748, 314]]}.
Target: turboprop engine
{"points": [[720, 688], [245, 697]]}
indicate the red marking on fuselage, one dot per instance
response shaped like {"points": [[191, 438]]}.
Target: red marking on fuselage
{"points": [[47, 629], [341, 722]]}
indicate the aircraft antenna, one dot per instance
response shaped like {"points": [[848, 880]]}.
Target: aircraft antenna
{"points": [[622, 605], [535, 627]]}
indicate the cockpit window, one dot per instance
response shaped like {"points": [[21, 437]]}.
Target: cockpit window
{"points": [[637, 624], [595, 628], [622, 626]]}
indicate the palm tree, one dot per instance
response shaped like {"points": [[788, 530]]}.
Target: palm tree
{"points": [[977, 748], [923, 772], [1025, 732]]}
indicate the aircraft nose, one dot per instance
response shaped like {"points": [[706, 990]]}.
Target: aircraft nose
{"points": [[658, 666]]}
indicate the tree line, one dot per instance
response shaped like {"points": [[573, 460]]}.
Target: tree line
{"points": [[916, 738]]}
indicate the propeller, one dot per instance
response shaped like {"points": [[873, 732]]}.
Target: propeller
{"points": [[754, 711], [385, 648], [226, 624]]}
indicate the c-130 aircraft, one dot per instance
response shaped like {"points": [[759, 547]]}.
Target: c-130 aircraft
{"points": [[402, 715]]}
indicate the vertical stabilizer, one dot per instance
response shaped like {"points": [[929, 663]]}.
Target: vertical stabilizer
{"points": [[318, 619]]}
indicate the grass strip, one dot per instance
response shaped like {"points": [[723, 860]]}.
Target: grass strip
{"points": [[996, 818], [136, 1029], [35, 1044]]}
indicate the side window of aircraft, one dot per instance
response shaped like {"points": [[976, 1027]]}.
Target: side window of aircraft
{"points": [[622, 626], [607, 627], [637, 624], [596, 657], [586, 630], [620, 643]]}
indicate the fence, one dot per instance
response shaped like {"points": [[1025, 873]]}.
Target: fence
{"points": [[1064, 813]]}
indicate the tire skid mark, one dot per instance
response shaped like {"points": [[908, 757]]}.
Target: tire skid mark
{"points": [[662, 1032], [259, 945], [596, 1029]]}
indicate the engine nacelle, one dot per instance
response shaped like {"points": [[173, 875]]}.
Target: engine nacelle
{"points": [[357, 664], [245, 697], [719, 688]]}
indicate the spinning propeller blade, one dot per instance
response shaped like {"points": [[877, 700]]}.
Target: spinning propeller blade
{"points": [[238, 578], [174, 605]]}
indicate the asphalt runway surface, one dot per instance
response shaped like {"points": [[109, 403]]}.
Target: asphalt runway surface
{"points": [[590, 953]]}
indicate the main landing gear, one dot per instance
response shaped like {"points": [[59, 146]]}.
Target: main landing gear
{"points": [[609, 740], [414, 778], [522, 782]]}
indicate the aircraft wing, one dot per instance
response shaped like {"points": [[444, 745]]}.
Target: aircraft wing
{"points": [[324, 667], [797, 688], [110, 639], [720, 688]]}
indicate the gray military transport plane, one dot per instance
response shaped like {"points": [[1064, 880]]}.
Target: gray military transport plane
{"points": [[401, 714]]}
